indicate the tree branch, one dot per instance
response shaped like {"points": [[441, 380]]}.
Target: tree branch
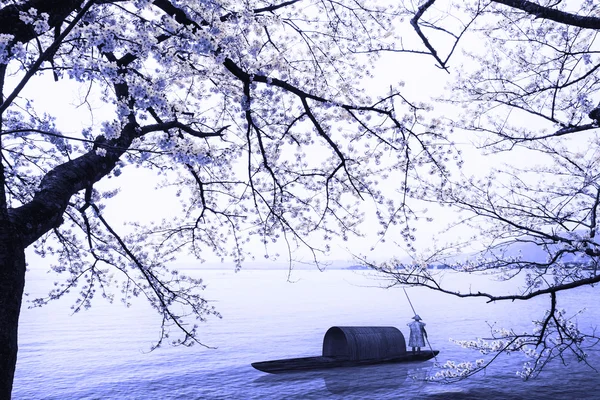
{"points": [[57, 11], [552, 14], [45, 56], [45, 210], [415, 23]]}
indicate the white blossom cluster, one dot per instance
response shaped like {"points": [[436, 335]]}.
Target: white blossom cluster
{"points": [[556, 336], [454, 371], [5, 40], [39, 22]]}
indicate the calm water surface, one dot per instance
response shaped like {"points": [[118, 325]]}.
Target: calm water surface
{"points": [[103, 353]]}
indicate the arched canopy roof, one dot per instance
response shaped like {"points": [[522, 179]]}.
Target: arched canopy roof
{"points": [[363, 342]]}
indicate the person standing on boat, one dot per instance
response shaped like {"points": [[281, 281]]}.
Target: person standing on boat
{"points": [[417, 334]]}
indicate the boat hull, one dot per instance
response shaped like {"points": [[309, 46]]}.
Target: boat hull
{"points": [[324, 362]]}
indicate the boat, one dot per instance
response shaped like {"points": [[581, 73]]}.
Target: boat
{"points": [[352, 346]]}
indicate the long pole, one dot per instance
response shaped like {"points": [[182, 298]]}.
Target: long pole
{"points": [[415, 313], [409, 302]]}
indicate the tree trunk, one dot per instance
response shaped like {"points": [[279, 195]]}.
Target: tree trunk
{"points": [[12, 282]]}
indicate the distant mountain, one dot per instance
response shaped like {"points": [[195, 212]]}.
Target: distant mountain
{"points": [[526, 252], [356, 267], [267, 265]]}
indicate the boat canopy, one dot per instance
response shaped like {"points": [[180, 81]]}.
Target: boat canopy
{"points": [[363, 342]]}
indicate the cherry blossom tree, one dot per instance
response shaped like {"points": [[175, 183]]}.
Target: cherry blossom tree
{"points": [[258, 113], [255, 111], [527, 93]]}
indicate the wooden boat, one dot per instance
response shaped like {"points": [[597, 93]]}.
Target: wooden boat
{"points": [[351, 346]]}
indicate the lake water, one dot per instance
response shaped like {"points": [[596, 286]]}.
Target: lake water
{"points": [[103, 353]]}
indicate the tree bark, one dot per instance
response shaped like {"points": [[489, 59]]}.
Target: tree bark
{"points": [[553, 14], [12, 282]]}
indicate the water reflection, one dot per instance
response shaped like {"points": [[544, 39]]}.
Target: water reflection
{"points": [[367, 380]]}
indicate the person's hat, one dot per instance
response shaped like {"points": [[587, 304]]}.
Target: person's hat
{"points": [[416, 317]]}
